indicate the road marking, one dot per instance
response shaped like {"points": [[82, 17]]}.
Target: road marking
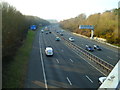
{"points": [[43, 68], [88, 62], [89, 79], [57, 60], [109, 57], [71, 60], [69, 81]]}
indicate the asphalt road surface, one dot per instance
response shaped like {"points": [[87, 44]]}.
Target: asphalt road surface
{"points": [[65, 69], [108, 53]]}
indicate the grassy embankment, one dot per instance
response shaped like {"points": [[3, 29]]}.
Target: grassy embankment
{"points": [[117, 45], [16, 71]]}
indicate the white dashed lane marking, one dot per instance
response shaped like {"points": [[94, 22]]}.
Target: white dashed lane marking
{"points": [[89, 79], [109, 57], [57, 61], [69, 81], [71, 60]]}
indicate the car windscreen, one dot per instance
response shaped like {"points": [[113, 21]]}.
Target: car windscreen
{"points": [[49, 50]]}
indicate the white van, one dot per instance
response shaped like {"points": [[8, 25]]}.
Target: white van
{"points": [[49, 51]]}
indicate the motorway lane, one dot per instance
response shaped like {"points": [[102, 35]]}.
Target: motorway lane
{"points": [[105, 54], [64, 70], [70, 69], [35, 77], [35, 73], [53, 72], [109, 55]]}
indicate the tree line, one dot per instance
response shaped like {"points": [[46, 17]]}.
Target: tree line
{"points": [[106, 25], [15, 26]]}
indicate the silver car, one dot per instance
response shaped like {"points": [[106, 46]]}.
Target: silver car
{"points": [[71, 39]]}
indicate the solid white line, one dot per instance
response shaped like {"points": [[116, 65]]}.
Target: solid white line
{"points": [[69, 81], [43, 66], [109, 57], [89, 79], [57, 60], [71, 60]]}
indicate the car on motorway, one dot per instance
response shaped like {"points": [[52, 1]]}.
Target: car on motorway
{"points": [[61, 34], [42, 31], [46, 32], [101, 80], [49, 51], [57, 39], [97, 47], [89, 48], [50, 32], [71, 39], [62, 30]]}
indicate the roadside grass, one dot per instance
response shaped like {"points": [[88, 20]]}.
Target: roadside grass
{"points": [[16, 71], [117, 45]]}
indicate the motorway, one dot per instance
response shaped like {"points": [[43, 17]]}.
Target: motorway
{"points": [[108, 53], [65, 69]]}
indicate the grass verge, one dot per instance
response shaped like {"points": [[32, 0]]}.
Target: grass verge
{"points": [[15, 74], [117, 45]]}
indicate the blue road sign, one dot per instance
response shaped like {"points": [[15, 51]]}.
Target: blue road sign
{"points": [[33, 27], [86, 27]]}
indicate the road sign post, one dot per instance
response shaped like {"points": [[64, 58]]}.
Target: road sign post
{"points": [[91, 27], [92, 33]]}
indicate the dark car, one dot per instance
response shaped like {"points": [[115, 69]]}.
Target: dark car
{"points": [[97, 47], [46, 32], [89, 48], [61, 34]]}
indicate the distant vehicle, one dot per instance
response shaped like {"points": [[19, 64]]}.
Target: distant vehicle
{"points": [[46, 28], [71, 39], [46, 32], [101, 80], [89, 48], [61, 34], [42, 31], [57, 39], [49, 31], [97, 47], [62, 30], [49, 51]]}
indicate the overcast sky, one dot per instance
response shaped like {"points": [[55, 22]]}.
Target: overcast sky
{"points": [[62, 9]]}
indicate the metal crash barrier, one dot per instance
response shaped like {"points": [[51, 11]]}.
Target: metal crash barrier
{"points": [[106, 66]]}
